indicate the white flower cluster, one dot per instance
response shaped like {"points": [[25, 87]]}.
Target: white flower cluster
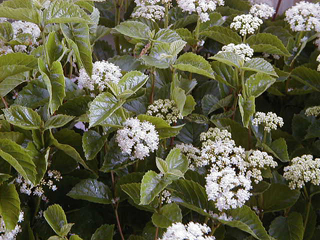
{"points": [[269, 120], [140, 3], [22, 28], [10, 235], [246, 24], [318, 60], [190, 231], [302, 170], [232, 169], [28, 188], [166, 197], [268, 2], [202, 7], [102, 72], [152, 12], [313, 111], [304, 16], [193, 155], [243, 50], [137, 138], [262, 10], [165, 109]]}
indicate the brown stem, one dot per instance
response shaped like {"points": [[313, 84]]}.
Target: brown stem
{"points": [[277, 10], [5, 102], [152, 86], [157, 233], [118, 220]]}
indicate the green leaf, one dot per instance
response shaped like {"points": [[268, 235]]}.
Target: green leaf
{"points": [[179, 96], [194, 63], [53, 47], [9, 205], [307, 76], [132, 81], [222, 35], [287, 228], [215, 19], [55, 238], [259, 65], [105, 232], [6, 31], [279, 197], [10, 83], [133, 29], [152, 184], [19, 10], [92, 143], [75, 237], [162, 165], [19, 158], [102, 107], [279, 146], [133, 191], [76, 106], [60, 11], [163, 128], [22, 117], [190, 195], [57, 220], [79, 34], [57, 121], [176, 160], [168, 214], [40, 160], [15, 63], [258, 84], [91, 190], [229, 58], [247, 220], [16, 137], [247, 109], [225, 74], [189, 106], [4, 177], [268, 43], [55, 82]]}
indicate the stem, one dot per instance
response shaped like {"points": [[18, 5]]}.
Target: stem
{"points": [[277, 10], [244, 38], [45, 48], [156, 234], [4, 102], [118, 220], [118, 5], [264, 136], [166, 16], [308, 207], [152, 86], [301, 47], [249, 137], [243, 85]]}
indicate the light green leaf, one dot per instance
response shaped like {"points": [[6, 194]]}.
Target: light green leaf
{"points": [[225, 74], [9, 205], [92, 143], [4, 177], [176, 160], [6, 31], [57, 121], [18, 158], [179, 97], [259, 65], [133, 29], [152, 184], [268, 43], [79, 34], [229, 58], [133, 81], [105, 232], [10, 83], [247, 220], [189, 106], [168, 214], [247, 109], [55, 82], [287, 228], [102, 107], [75, 237], [22, 117], [222, 35], [194, 63], [279, 197], [258, 84], [53, 47], [61, 11], [57, 220], [91, 190], [162, 165]]}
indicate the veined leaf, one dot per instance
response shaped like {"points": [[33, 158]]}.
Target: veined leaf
{"points": [[57, 121], [133, 81], [177, 161], [259, 65], [168, 214], [247, 109], [9, 205], [92, 143], [194, 63], [91, 190], [307, 76], [23, 117], [258, 84], [134, 29], [105, 232], [222, 35], [268, 43], [9, 83], [229, 58]]}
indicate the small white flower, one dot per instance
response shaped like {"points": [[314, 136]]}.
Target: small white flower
{"points": [[152, 12], [190, 231], [21, 27], [102, 72], [137, 138], [302, 170], [166, 197], [10, 235], [313, 111], [243, 50], [193, 155], [304, 16], [165, 109], [246, 24], [262, 10], [269, 120]]}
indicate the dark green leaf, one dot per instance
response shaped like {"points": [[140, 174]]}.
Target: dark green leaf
{"points": [[247, 109], [307, 76], [168, 214], [105, 232], [91, 190], [9, 83], [57, 121], [223, 35], [132, 81], [92, 143]]}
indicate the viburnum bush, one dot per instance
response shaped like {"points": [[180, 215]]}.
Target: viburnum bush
{"points": [[159, 120]]}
